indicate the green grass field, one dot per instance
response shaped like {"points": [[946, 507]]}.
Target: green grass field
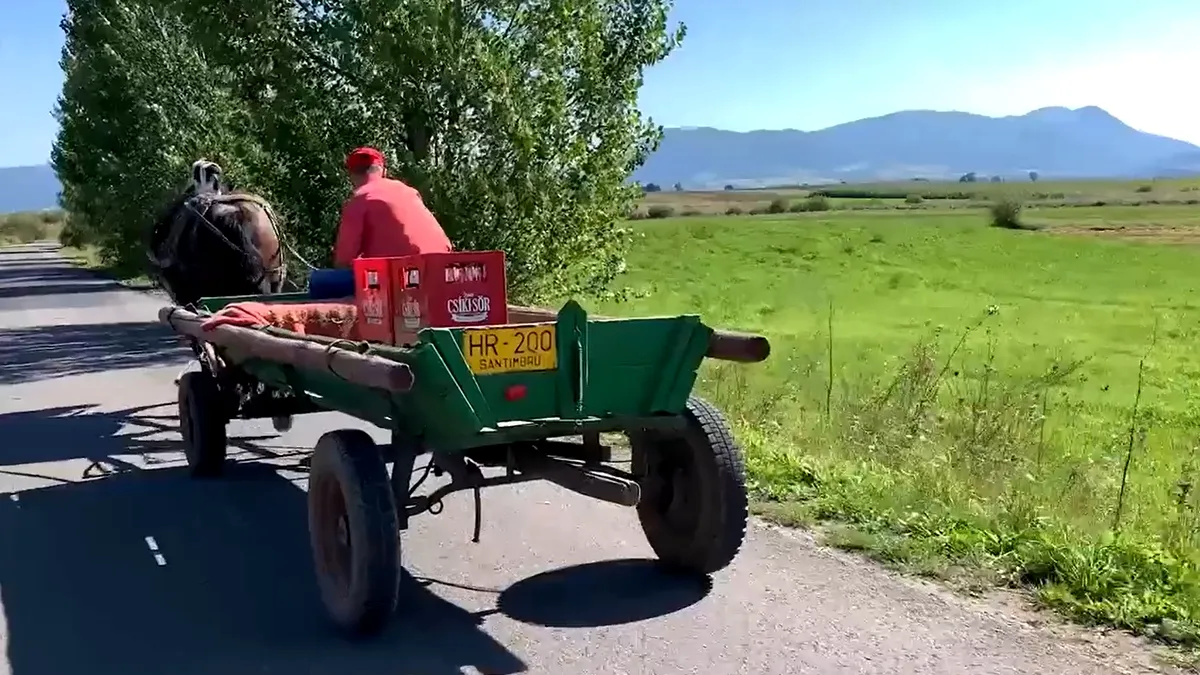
{"points": [[921, 195], [960, 398]]}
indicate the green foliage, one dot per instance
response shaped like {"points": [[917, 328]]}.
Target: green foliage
{"points": [[897, 193], [814, 202], [659, 211], [516, 142], [779, 205], [22, 228], [52, 216], [1006, 212], [139, 104], [1144, 188], [913, 199], [73, 236]]}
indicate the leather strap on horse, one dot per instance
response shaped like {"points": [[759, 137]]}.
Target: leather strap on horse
{"points": [[270, 211], [234, 198]]}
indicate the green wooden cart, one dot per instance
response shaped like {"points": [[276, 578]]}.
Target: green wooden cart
{"points": [[485, 418]]}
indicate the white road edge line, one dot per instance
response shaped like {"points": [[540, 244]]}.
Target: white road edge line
{"points": [[153, 546]]}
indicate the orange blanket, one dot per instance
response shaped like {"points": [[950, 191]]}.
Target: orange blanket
{"points": [[329, 319]]}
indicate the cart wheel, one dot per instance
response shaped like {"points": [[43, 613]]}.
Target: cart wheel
{"points": [[352, 525], [202, 423], [694, 506]]}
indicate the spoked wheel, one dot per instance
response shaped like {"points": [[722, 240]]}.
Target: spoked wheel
{"points": [[202, 423], [353, 529], [694, 507]]}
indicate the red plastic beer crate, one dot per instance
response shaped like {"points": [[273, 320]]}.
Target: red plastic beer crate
{"points": [[397, 297]]}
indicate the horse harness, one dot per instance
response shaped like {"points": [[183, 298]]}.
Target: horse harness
{"points": [[270, 267]]}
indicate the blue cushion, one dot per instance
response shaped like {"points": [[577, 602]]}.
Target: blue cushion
{"points": [[330, 283]]}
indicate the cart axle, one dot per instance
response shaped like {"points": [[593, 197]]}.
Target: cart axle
{"points": [[596, 482], [599, 482]]}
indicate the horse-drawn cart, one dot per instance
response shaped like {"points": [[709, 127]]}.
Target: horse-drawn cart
{"points": [[491, 405]]}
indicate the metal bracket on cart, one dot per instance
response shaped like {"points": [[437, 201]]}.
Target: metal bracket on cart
{"points": [[575, 466]]}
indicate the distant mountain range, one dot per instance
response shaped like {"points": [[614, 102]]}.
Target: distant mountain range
{"points": [[28, 188], [1055, 142]]}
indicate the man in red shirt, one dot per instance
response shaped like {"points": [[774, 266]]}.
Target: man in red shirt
{"points": [[383, 217]]}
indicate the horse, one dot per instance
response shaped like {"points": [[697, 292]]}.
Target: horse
{"points": [[210, 241]]}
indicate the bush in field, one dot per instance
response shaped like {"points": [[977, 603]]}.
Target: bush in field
{"points": [[1144, 188], [660, 211], [22, 227], [869, 193], [814, 202], [73, 236], [779, 205], [53, 216], [734, 211], [1006, 212], [914, 199]]}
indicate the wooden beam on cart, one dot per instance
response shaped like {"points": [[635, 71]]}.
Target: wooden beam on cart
{"points": [[360, 369], [724, 345]]}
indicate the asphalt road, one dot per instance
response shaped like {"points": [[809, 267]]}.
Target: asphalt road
{"points": [[112, 561]]}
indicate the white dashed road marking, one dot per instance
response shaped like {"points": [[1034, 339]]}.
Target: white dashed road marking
{"points": [[153, 546]]}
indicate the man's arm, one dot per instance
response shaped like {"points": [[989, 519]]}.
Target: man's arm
{"points": [[350, 233]]}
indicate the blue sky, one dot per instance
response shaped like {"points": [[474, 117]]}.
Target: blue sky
{"points": [[769, 64]]}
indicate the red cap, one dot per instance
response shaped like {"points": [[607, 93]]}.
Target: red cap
{"points": [[362, 159]]}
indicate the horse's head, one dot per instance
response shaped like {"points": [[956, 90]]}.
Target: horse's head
{"points": [[206, 177]]}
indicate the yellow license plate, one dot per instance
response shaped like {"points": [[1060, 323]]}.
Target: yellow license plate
{"points": [[515, 349]]}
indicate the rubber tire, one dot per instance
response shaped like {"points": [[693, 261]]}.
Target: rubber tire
{"points": [[719, 471], [350, 458], [202, 423]]}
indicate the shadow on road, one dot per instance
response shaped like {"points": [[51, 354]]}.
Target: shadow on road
{"points": [[31, 272], [36, 248], [30, 354], [234, 592], [15, 264], [603, 593], [29, 257], [83, 591], [83, 432], [76, 286], [82, 588]]}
